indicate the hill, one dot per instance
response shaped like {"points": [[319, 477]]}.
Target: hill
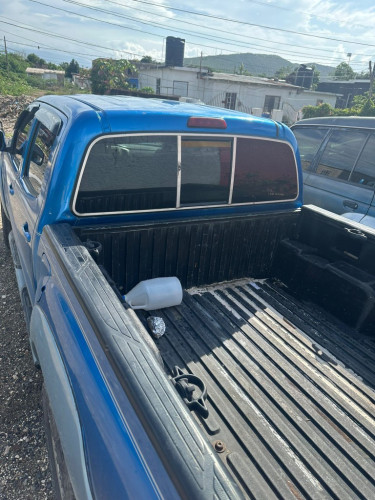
{"points": [[255, 64]]}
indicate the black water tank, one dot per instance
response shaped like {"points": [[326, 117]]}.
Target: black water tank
{"points": [[304, 77], [174, 52]]}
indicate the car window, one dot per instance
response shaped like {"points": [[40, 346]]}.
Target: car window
{"points": [[21, 143], [205, 170], [133, 173], [130, 173], [364, 172], [39, 156], [264, 172], [341, 153], [309, 140]]}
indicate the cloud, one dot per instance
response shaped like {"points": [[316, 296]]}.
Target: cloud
{"points": [[344, 20]]}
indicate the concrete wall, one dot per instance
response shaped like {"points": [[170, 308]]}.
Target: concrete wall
{"points": [[186, 82]]}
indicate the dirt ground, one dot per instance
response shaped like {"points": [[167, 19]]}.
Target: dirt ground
{"points": [[24, 472]]}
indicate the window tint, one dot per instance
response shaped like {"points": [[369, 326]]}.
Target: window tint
{"points": [[129, 173], [21, 143], [364, 172], [39, 156], [309, 141], [134, 173], [205, 170], [265, 171], [340, 153]]}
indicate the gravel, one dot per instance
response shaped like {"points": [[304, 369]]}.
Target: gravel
{"points": [[24, 470]]}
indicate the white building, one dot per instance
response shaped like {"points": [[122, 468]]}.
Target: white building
{"points": [[253, 95], [47, 74]]}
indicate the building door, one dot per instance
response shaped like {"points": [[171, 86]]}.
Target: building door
{"points": [[271, 102]]}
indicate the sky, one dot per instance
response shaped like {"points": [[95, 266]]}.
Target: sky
{"points": [[326, 32]]}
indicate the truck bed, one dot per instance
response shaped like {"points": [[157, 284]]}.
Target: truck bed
{"points": [[290, 389]]}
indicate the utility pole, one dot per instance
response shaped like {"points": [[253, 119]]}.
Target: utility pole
{"points": [[200, 65], [6, 54], [372, 71]]}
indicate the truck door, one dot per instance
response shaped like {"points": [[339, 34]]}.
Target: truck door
{"points": [[26, 186]]}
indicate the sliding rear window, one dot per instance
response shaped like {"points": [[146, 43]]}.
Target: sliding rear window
{"points": [[163, 172]]}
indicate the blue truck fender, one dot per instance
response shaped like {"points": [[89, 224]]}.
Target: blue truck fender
{"points": [[61, 400]]}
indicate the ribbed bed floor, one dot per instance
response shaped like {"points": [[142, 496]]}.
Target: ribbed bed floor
{"points": [[293, 406]]}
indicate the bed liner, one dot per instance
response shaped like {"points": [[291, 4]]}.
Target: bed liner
{"points": [[290, 390]]}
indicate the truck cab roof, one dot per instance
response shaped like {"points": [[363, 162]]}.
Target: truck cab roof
{"points": [[118, 113]]}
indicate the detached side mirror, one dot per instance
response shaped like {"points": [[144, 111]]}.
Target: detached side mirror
{"points": [[37, 156]]}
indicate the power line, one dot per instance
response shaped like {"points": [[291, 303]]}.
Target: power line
{"points": [[74, 40], [74, 2], [237, 21], [236, 44], [51, 48]]}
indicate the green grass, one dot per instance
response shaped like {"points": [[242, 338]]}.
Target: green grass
{"points": [[11, 84], [14, 85]]}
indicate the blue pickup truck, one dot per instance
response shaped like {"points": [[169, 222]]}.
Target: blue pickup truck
{"points": [[260, 382]]}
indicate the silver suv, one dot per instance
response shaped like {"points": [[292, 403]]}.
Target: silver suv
{"points": [[338, 162]]}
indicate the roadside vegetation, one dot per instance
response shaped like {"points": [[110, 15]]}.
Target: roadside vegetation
{"points": [[105, 74], [15, 81], [363, 105]]}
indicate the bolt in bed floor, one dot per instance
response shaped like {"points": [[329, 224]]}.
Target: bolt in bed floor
{"points": [[290, 392]]}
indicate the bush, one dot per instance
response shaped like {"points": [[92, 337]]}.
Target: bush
{"points": [[362, 106], [317, 111], [109, 74], [147, 90], [13, 85]]}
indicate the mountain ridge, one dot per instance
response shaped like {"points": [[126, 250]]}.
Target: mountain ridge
{"points": [[255, 64]]}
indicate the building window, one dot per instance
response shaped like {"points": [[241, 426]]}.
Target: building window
{"points": [[230, 100], [271, 102], [158, 81], [180, 88]]}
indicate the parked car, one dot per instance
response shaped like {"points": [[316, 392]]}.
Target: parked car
{"points": [[338, 161]]}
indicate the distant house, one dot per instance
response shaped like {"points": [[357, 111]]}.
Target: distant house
{"points": [[347, 88], [47, 74], [253, 95], [81, 81]]}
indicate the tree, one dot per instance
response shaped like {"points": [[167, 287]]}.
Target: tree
{"points": [[316, 79], [283, 72], [344, 72], [147, 59], [73, 68], [109, 74], [36, 61]]}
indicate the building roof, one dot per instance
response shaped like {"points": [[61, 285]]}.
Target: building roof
{"points": [[41, 71], [256, 80]]}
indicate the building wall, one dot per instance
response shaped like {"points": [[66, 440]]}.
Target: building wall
{"points": [[248, 97]]}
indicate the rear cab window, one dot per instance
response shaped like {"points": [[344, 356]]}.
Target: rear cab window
{"points": [[135, 173]]}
